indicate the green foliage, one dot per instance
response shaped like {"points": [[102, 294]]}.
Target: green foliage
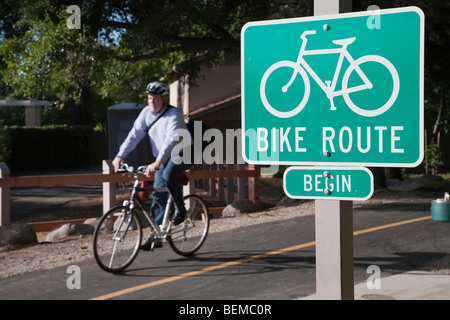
{"points": [[5, 143], [122, 45], [437, 63], [12, 116], [434, 158], [51, 147], [47, 60]]}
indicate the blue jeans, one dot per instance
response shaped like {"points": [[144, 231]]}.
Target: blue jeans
{"points": [[168, 176]]}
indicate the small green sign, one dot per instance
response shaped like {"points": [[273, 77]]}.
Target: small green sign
{"points": [[332, 183], [343, 89]]}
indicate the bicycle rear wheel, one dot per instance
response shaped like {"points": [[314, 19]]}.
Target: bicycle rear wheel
{"points": [[117, 239], [189, 236]]}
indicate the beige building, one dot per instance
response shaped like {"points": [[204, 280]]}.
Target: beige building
{"points": [[215, 98]]}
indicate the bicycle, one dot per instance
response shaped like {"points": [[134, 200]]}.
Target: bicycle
{"points": [[119, 233], [329, 87]]}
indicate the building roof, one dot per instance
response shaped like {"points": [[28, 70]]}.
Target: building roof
{"points": [[214, 106]]}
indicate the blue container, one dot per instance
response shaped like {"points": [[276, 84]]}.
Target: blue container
{"points": [[440, 210]]}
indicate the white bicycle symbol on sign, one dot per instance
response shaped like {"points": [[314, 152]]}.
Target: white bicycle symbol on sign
{"points": [[329, 87]]}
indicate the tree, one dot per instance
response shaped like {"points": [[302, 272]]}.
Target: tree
{"points": [[121, 45], [50, 61], [187, 34], [437, 64], [124, 44]]}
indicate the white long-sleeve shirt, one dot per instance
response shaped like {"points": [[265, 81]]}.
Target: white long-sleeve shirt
{"points": [[161, 134]]}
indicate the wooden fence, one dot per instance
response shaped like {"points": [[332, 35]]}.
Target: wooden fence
{"points": [[227, 183], [218, 182]]}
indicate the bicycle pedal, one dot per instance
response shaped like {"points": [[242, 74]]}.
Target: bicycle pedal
{"points": [[151, 246]]}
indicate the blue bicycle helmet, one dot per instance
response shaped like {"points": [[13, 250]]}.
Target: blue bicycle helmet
{"points": [[157, 88]]}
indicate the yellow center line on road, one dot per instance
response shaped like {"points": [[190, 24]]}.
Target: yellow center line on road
{"points": [[391, 225], [244, 260]]}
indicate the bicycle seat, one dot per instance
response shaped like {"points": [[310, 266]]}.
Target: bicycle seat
{"points": [[344, 42]]}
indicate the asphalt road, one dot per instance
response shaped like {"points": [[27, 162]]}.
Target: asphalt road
{"points": [[269, 261]]}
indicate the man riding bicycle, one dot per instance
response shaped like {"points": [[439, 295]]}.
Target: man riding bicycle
{"points": [[161, 122]]}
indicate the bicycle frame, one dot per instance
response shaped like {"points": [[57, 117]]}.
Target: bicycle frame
{"points": [[163, 230], [329, 86]]}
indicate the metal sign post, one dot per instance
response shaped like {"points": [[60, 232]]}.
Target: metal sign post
{"points": [[334, 220], [334, 93]]}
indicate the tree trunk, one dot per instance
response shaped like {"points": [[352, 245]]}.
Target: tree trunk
{"points": [[441, 107]]}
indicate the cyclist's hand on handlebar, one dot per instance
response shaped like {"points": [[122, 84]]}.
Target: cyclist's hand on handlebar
{"points": [[117, 162], [152, 167]]}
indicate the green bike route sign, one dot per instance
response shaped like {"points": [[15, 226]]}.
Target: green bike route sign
{"points": [[330, 183], [337, 89]]}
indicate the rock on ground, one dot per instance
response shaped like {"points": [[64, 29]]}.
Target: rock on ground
{"points": [[238, 208], [69, 229], [17, 233]]}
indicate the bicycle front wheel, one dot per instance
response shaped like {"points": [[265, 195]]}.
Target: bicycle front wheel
{"points": [[117, 239], [188, 237]]}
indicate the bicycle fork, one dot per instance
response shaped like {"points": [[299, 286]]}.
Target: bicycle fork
{"points": [[125, 219]]}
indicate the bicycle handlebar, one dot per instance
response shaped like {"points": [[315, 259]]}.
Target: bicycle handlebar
{"points": [[124, 167]]}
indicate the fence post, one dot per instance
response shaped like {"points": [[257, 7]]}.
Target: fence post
{"points": [[240, 183], [212, 182], [4, 196], [253, 185], [220, 185], [190, 187], [109, 188]]}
